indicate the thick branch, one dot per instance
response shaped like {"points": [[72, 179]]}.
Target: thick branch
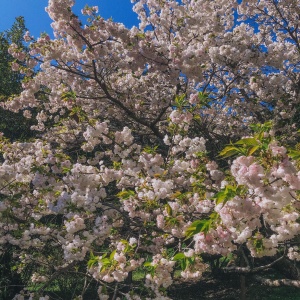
{"points": [[277, 282], [249, 270]]}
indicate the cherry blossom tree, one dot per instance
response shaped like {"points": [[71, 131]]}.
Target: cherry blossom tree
{"points": [[129, 172]]}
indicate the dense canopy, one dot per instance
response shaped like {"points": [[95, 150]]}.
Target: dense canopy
{"points": [[159, 149]]}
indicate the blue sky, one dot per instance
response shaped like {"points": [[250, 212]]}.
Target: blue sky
{"points": [[37, 20]]}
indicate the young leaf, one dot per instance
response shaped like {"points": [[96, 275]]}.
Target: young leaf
{"points": [[126, 194], [252, 150], [247, 142], [198, 226], [179, 256], [229, 151], [112, 255]]}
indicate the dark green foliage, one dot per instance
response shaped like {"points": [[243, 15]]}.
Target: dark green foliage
{"points": [[10, 82], [10, 281], [13, 125]]}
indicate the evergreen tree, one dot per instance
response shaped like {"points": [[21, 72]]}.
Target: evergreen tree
{"points": [[13, 125]]}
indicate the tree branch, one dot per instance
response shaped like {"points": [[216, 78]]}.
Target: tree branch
{"points": [[118, 103], [249, 270], [277, 282]]}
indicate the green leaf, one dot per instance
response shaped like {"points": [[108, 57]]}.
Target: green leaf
{"points": [[246, 146], [258, 244], [126, 194], [202, 96], [191, 260], [106, 261], [187, 262], [180, 101], [253, 150], [260, 128], [198, 226], [170, 221], [68, 96], [225, 194], [112, 255], [168, 209], [66, 170], [179, 256], [183, 264], [204, 99], [248, 142], [150, 150], [140, 35], [117, 165], [294, 154], [93, 260], [229, 151]]}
